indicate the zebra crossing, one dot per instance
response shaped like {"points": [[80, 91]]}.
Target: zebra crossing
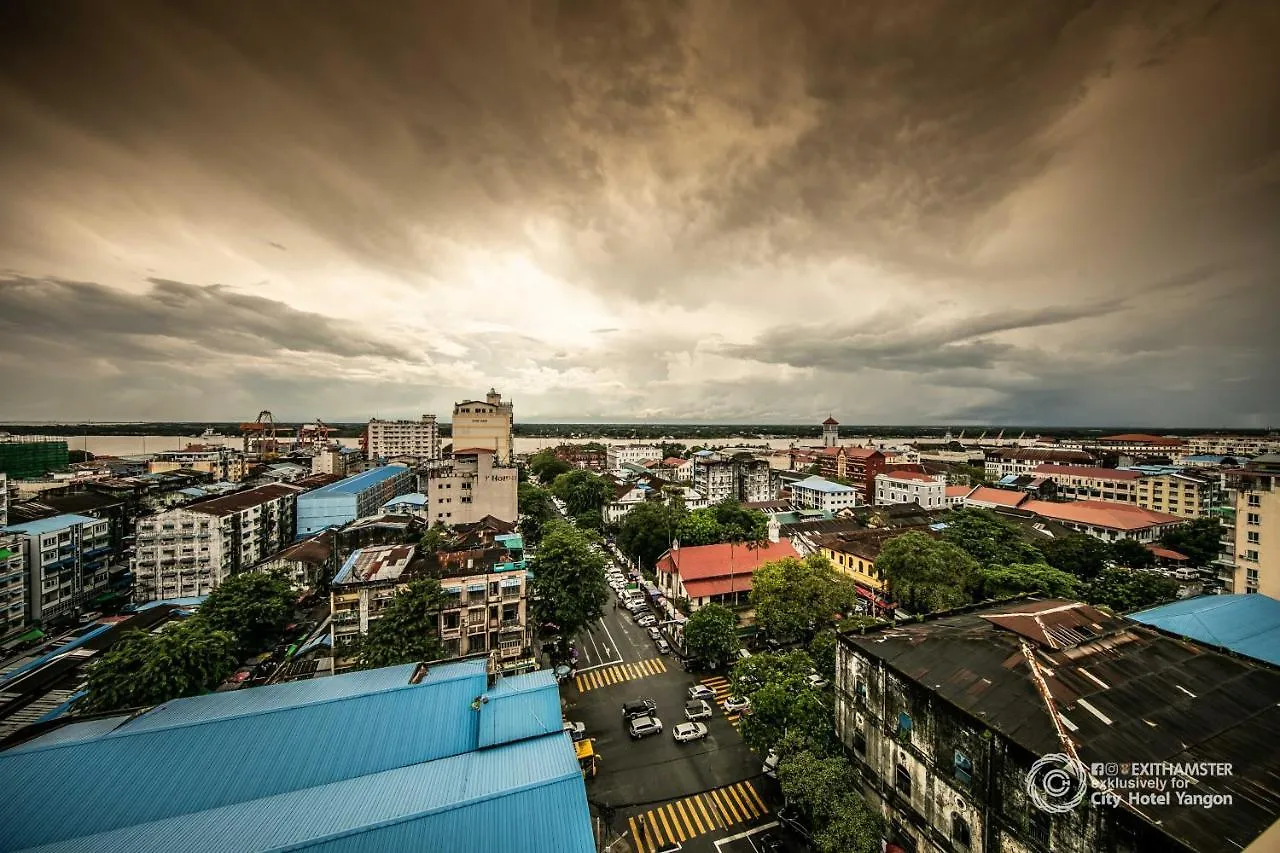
{"points": [[680, 820], [618, 673], [723, 690]]}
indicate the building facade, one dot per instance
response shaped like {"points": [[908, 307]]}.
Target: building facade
{"points": [[67, 558], [221, 463], [817, 493], [905, 487], [405, 439], [855, 465], [1232, 445], [1105, 519], [1024, 460], [486, 599], [741, 477], [354, 497], [487, 424], [1257, 527], [191, 550], [473, 486], [4, 499], [1183, 493], [618, 455], [1089, 483], [13, 583], [25, 457]]}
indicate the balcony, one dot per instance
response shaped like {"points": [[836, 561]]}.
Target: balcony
{"points": [[512, 625], [451, 633], [476, 629], [346, 617]]}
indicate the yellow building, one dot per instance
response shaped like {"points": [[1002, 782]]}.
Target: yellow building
{"points": [[484, 425], [1257, 557], [1184, 495], [854, 559]]}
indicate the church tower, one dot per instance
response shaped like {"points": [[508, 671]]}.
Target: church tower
{"points": [[830, 432]]}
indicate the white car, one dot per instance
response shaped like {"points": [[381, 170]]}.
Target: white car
{"points": [[736, 704], [702, 691], [697, 709], [576, 730], [685, 732], [816, 681], [646, 621]]}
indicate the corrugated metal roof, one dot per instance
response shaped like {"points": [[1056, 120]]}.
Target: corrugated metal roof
{"points": [[519, 707], [244, 745], [48, 525], [357, 482], [1245, 624], [818, 484], [78, 731], [523, 796]]}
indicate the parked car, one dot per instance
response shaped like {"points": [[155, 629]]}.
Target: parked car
{"points": [[638, 708], [664, 648], [697, 709], [576, 730], [685, 732], [736, 704], [770, 768], [789, 818], [646, 620], [702, 691], [743, 654], [644, 726], [769, 843], [655, 634], [816, 680]]}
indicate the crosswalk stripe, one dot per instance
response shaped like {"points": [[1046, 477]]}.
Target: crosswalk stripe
{"points": [[759, 800], [635, 835], [675, 821], [611, 675], [657, 836], [646, 667], [632, 670], [662, 667], [744, 804], [663, 817], [690, 819], [702, 807], [578, 681], [723, 796]]}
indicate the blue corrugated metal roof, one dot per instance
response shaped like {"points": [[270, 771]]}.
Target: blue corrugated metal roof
{"points": [[413, 498], [519, 707], [78, 731], [818, 484], [523, 796], [48, 525], [356, 482], [1245, 624], [224, 748]]}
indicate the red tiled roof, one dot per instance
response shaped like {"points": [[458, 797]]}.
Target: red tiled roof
{"points": [[718, 586], [861, 452], [700, 562], [1143, 438], [1116, 516], [1167, 553], [673, 462], [831, 422], [1002, 497], [1087, 471], [909, 475], [958, 491], [474, 450]]}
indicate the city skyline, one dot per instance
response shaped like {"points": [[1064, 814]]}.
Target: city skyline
{"points": [[927, 214]]}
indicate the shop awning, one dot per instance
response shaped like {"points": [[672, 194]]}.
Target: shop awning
{"points": [[475, 587], [33, 634], [451, 590]]}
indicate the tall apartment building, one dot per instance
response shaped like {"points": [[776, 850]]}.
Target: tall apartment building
{"points": [[488, 424], [357, 496], [29, 457], [470, 488], [66, 559], [1183, 493], [363, 588], [622, 454], [221, 463], [1257, 526], [189, 551], [419, 440], [741, 477], [13, 583]]}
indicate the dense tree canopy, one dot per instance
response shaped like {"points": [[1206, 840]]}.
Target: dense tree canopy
{"points": [[726, 521], [823, 652], [648, 530], [143, 669], [434, 539], [793, 597], [1002, 581], [1132, 555], [408, 631], [584, 494], [1077, 554], [825, 790], [783, 701], [536, 510], [925, 574], [569, 579], [989, 539], [711, 635], [546, 466], [254, 607], [1200, 540], [1124, 589]]}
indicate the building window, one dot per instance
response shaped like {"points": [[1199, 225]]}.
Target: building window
{"points": [[963, 767], [1253, 537], [902, 780], [904, 727], [1039, 826], [1255, 500], [960, 834], [1254, 518], [1251, 556], [859, 742]]}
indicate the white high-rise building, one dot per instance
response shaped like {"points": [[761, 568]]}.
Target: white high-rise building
{"points": [[486, 424], [418, 439]]}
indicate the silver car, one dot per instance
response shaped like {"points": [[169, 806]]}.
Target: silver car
{"points": [[685, 732]]}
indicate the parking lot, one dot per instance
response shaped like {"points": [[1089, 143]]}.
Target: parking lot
{"points": [[655, 790]]}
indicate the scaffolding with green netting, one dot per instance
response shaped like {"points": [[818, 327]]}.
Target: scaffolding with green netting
{"points": [[30, 458]]}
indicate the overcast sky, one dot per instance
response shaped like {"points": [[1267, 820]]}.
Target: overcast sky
{"points": [[759, 211]]}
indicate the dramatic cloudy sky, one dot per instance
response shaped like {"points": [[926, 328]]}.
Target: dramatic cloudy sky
{"points": [[754, 211]]}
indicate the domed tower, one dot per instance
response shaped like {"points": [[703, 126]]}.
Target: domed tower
{"points": [[830, 432]]}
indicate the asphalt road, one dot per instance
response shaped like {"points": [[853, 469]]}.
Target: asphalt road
{"points": [[658, 789]]}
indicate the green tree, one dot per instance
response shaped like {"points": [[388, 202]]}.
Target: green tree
{"points": [[778, 708], [1124, 589], [989, 539], [823, 788], [699, 528], [648, 530], [925, 574], [1001, 581], [536, 510], [671, 450], [582, 491], [1201, 540], [1077, 554], [144, 669], [823, 651], [408, 631], [790, 670], [546, 466], [1132, 555], [569, 585], [738, 523], [254, 607], [711, 635], [794, 597], [434, 539]]}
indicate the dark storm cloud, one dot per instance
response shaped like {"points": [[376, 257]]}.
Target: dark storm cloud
{"points": [[101, 321]]}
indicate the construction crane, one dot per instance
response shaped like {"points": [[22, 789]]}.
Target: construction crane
{"points": [[261, 435], [315, 435]]}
